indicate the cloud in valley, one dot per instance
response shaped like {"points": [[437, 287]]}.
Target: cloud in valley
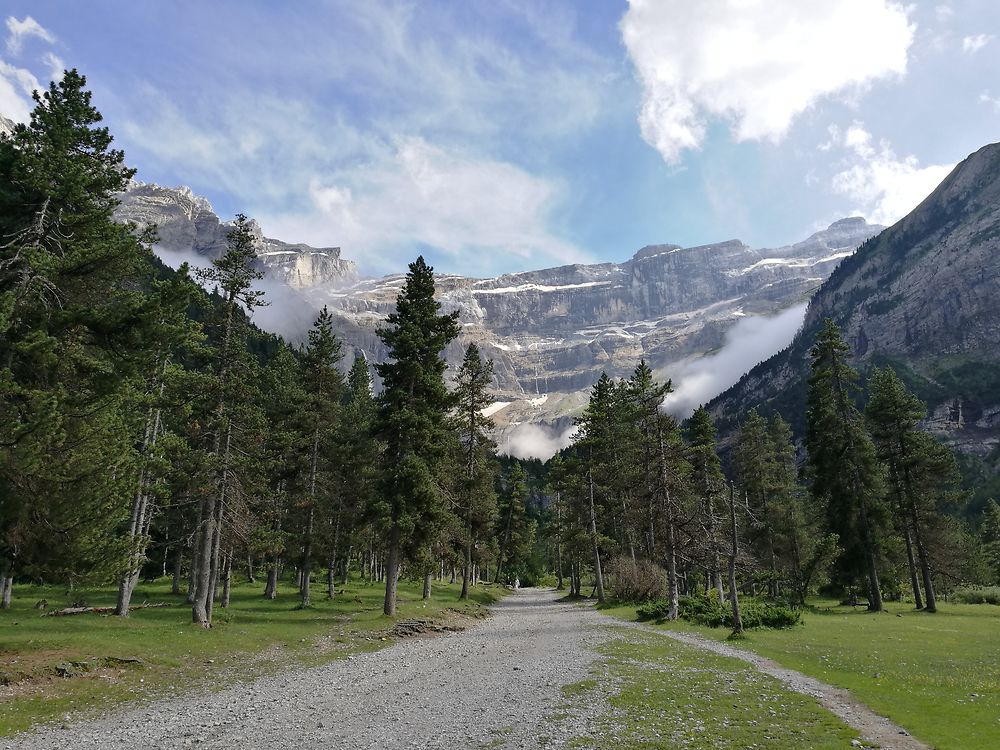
{"points": [[757, 65], [536, 441], [749, 342]]}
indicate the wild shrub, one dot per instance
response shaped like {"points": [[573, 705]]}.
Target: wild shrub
{"points": [[977, 595], [636, 581], [707, 611]]}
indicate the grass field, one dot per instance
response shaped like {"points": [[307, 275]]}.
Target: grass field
{"points": [[252, 637], [665, 695], [937, 675]]}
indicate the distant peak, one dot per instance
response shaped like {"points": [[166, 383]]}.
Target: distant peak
{"points": [[849, 222]]}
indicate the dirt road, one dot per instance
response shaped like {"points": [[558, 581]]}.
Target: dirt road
{"points": [[496, 685]]}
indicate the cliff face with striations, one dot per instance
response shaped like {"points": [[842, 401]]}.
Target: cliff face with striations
{"points": [[922, 296], [550, 332], [186, 223]]}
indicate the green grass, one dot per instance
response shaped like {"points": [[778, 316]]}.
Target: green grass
{"points": [[253, 637], [666, 695], [937, 675]]}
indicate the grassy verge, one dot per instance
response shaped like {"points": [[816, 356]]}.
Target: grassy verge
{"points": [[937, 675], [254, 636], [665, 695]]}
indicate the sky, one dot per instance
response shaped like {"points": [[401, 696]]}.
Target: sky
{"points": [[505, 135]]}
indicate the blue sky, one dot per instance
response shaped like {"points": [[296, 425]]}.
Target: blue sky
{"points": [[510, 135]]}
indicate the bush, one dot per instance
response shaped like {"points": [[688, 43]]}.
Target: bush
{"points": [[636, 581], [707, 611], [977, 595]]}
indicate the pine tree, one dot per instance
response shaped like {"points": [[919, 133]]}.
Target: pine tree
{"points": [[478, 450], [514, 529], [845, 472], [596, 440], [71, 318], [709, 486], [235, 275], [411, 420], [921, 473], [323, 386]]}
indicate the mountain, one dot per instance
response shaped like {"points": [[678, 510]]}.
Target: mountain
{"points": [[922, 296], [550, 332], [186, 223]]}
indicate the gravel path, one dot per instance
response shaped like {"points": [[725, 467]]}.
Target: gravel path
{"points": [[426, 693], [417, 693]]}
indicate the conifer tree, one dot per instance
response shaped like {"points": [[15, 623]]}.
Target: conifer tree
{"points": [[411, 420], [845, 472], [472, 394], [235, 275], [323, 387], [921, 473], [70, 310], [709, 486]]}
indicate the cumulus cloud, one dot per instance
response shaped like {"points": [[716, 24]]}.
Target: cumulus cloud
{"points": [[972, 44], [421, 194], [749, 342], [16, 85], [757, 64], [885, 186], [993, 101], [536, 440], [18, 31]]}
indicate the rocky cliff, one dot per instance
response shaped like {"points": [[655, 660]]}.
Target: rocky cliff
{"points": [[186, 223], [550, 332], [923, 296]]}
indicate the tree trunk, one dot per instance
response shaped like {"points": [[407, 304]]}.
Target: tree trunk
{"points": [[734, 553], [345, 568], [428, 577], [6, 588], [911, 563], [925, 570], [874, 587], [598, 575], [175, 583], [559, 565], [271, 587], [227, 581], [392, 570]]}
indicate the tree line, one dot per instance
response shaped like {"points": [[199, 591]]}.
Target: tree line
{"points": [[148, 428], [863, 507]]}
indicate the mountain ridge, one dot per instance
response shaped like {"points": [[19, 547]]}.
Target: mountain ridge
{"points": [[920, 296]]}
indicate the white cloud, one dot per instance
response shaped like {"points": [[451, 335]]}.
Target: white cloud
{"points": [[18, 31], [885, 186], [421, 194], [16, 85], [750, 341], [972, 44], [55, 65], [992, 101], [943, 12], [756, 63], [536, 441]]}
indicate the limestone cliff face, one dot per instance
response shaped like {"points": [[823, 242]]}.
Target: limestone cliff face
{"points": [[550, 332], [923, 296], [186, 223]]}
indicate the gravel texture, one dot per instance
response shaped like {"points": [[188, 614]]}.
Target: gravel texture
{"points": [[496, 685], [490, 686]]}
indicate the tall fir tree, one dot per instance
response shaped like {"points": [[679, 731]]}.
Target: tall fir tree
{"points": [[922, 475], [411, 420], [472, 384], [845, 473]]}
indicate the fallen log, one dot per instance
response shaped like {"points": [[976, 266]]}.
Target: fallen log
{"points": [[98, 610]]}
